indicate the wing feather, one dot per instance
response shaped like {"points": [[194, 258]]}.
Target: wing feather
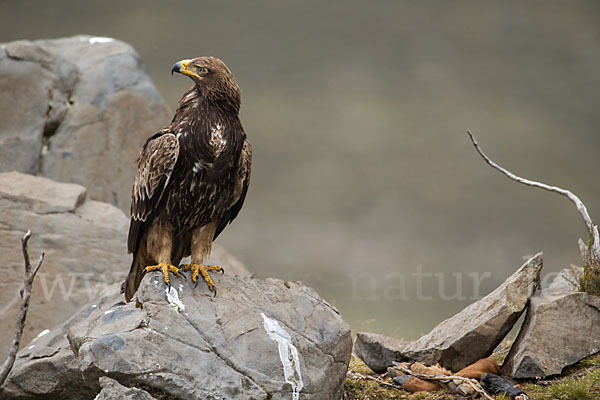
{"points": [[154, 167], [243, 181]]}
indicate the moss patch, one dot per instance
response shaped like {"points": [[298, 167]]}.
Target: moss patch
{"points": [[590, 281]]}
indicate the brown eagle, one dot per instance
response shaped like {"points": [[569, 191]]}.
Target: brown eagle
{"points": [[192, 178]]}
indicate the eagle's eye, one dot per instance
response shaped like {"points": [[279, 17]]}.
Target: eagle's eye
{"points": [[201, 69]]}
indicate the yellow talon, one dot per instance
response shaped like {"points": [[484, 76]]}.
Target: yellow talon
{"points": [[201, 269], [165, 269]]}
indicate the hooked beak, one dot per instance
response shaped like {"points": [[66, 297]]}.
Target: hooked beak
{"points": [[177, 67], [181, 67]]}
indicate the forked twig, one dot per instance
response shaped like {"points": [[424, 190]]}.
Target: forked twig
{"points": [[25, 294]]}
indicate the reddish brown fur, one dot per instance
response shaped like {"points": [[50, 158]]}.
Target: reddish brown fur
{"points": [[474, 371], [419, 385], [478, 368]]}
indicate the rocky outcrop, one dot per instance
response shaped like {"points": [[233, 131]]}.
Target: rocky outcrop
{"points": [[46, 368], [562, 326], [378, 351], [464, 338], [259, 339], [85, 245], [77, 110], [84, 241]]}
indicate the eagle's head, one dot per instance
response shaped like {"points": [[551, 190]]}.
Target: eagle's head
{"points": [[211, 77]]}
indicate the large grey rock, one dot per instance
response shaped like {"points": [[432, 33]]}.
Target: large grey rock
{"points": [[190, 346], [77, 110], [561, 327], [84, 242], [258, 339], [46, 368], [566, 281], [26, 84], [466, 337]]}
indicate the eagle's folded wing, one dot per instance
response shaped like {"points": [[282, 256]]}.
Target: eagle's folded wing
{"points": [[155, 165], [243, 181]]}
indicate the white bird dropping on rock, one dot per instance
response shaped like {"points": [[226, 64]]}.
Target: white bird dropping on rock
{"points": [[287, 353], [173, 299]]}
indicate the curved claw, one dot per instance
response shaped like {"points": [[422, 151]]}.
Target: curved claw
{"points": [[214, 292], [165, 268], [222, 271], [202, 270]]}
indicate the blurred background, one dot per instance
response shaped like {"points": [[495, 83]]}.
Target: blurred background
{"points": [[364, 184]]}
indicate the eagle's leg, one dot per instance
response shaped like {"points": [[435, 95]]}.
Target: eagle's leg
{"points": [[201, 245], [159, 244]]}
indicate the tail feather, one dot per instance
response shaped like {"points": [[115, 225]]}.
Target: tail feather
{"points": [[132, 282]]}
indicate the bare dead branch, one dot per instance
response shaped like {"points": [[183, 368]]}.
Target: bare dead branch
{"points": [[592, 229], [25, 294], [578, 203]]}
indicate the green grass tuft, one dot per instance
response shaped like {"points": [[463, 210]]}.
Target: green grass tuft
{"points": [[569, 388]]}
